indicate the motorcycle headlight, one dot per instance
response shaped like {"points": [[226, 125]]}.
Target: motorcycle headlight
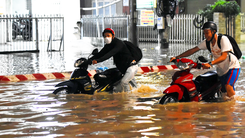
{"points": [[182, 66], [78, 62]]}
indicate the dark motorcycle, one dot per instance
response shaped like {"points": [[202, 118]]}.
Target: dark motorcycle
{"points": [[80, 81], [183, 88], [22, 27]]}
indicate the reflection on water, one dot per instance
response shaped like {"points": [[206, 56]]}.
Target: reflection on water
{"points": [[29, 109], [43, 62]]}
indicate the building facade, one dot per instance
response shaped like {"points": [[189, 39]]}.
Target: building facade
{"points": [[69, 10], [119, 8]]}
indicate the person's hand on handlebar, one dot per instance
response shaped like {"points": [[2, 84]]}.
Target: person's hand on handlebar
{"points": [[172, 59], [206, 66], [94, 62]]}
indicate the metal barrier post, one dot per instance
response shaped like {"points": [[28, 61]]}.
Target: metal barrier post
{"points": [[50, 36], [81, 29], [7, 29], [63, 19], [37, 37]]}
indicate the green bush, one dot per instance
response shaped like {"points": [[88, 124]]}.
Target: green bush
{"points": [[229, 8]]}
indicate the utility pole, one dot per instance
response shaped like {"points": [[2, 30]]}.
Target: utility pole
{"points": [[133, 32], [97, 20]]}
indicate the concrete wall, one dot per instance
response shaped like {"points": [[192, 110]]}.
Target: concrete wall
{"points": [[70, 11], [119, 7], [193, 6], [19, 7], [72, 15], [48, 7], [85, 4], [242, 5], [4, 9], [219, 19]]}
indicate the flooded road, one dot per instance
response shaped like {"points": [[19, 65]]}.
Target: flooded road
{"points": [[29, 109]]}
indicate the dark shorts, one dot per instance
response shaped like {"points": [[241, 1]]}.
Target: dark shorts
{"points": [[230, 78]]}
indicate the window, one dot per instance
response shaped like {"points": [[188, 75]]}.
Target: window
{"points": [[110, 10], [94, 11], [113, 9], [107, 9], [101, 9]]}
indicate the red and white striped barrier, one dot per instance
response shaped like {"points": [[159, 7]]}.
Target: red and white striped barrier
{"points": [[36, 76], [156, 68], [56, 75]]}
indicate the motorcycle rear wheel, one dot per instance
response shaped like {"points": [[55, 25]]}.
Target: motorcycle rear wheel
{"points": [[61, 90], [168, 98]]}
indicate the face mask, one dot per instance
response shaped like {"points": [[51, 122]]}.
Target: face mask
{"points": [[108, 40]]}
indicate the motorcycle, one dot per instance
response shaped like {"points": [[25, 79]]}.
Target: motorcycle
{"points": [[22, 27], [80, 82], [183, 88]]}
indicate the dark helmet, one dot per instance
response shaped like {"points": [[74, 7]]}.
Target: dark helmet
{"points": [[210, 25], [108, 30]]}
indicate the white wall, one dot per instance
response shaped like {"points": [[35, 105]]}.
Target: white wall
{"points": [[19, 7], [2, 7], [46, 7], [71, 11]]}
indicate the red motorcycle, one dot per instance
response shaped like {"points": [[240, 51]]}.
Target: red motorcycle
{"points": [[183, 88]]}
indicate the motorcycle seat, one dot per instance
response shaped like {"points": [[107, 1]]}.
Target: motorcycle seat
{"points": [[208, 77], [208, 74]]}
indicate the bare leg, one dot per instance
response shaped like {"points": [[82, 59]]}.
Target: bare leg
{"points": [[230, 90]]}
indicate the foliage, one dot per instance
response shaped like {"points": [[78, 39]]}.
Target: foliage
{"points": [[207, 12], [229, 8]]}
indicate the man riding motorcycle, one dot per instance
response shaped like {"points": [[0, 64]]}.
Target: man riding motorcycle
{"points": [[122, 58]]}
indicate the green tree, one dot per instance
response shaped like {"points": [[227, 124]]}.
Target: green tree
{"points": [[229, 8]]}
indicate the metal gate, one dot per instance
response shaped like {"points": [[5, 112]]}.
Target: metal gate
{"points": [[24, 33], [92, 26], [181, 30]]}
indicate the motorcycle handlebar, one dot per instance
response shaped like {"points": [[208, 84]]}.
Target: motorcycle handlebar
{"points": [[89, 61], [199, 65]]}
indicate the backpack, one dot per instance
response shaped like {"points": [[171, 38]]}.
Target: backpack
{"points": [[134, 50], [236, 49]]}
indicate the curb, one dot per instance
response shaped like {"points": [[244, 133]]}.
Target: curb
{"points": [[57, 75]]}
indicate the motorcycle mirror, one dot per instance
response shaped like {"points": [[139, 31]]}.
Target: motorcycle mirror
{"points": [[202, 59], [95, 51]]}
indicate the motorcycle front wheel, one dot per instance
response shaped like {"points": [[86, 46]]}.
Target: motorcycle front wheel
{"points": [[168, 98], [61, 90]]}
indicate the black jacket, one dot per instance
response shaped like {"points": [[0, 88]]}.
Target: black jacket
{"points": [[120, 53]]}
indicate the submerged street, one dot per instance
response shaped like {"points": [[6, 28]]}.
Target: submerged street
{"points": [[29, 109], [41, 40]]}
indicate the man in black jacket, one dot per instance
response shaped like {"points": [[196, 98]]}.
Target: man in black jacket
{"points": [[122, 57]]}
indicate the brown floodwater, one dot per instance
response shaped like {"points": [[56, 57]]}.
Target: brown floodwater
{"points": [[29, 109]]}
